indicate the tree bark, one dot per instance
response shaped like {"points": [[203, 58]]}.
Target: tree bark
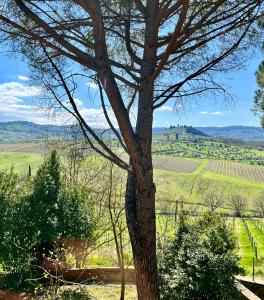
{"points": [[140, 214]]}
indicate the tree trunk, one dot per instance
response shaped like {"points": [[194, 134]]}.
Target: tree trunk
{"points": [[140, 214]]}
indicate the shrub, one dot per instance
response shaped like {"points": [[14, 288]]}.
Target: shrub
{"points": [[13, 239], [37, 212], [199, 263]]}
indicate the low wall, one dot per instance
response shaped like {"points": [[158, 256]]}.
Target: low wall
{"points": [[254, 286], [106, 275]]}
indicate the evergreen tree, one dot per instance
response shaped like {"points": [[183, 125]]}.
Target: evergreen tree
{"points": [[29, 171], [44, 215]]}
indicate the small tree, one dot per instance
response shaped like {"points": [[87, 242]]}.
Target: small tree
{"points": [[213, 199], [43, 213], [200, 263], [58, 208], [238, 203], [116, 208], [259, 205]]}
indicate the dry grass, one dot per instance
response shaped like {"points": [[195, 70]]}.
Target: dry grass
{"points": [[176, 164], [34, 147]]}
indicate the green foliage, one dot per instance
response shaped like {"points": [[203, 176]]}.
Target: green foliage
{"points": [[210, 149], [43, 212], [13, 240], [259, 94], [200, 263], [36, 213], [77, 213]]}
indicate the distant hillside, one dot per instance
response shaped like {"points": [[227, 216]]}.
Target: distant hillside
{"points": [[181, 130], [235, 132], [22, 131]]}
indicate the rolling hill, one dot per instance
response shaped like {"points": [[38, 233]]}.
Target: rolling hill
{"points": [[235, 132], [22, 131]]}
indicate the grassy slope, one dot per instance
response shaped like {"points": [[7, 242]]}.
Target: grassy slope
{"points": [[245, 250], [172, 186], [20, 161]]}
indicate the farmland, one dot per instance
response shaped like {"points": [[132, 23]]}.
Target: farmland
{"points": [[237, 170], [177, 179], [176, 164], [208, 149], [248, 250], [37, 147]]}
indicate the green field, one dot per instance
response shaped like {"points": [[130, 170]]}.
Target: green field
{"points": [[20, 161], [176, 179]]}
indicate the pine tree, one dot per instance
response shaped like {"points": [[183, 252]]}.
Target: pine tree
{"points": [[259, 94], [44, 204]]}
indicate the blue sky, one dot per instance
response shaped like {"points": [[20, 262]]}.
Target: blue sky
{"points": [[17, 101]]}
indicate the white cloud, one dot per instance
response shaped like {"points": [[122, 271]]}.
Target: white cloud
{"points": [[15, 104], [77, 101], [17, 89], [214, 113], [92, 85], [166, 108], [95, 117], [23, 78], [217, 113]]}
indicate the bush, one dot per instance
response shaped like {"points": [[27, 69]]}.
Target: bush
{"points": [[200, 262], [13, 239], [38, 212]]}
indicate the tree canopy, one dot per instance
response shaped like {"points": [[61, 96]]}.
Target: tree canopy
{"points": [[259, 94]]}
